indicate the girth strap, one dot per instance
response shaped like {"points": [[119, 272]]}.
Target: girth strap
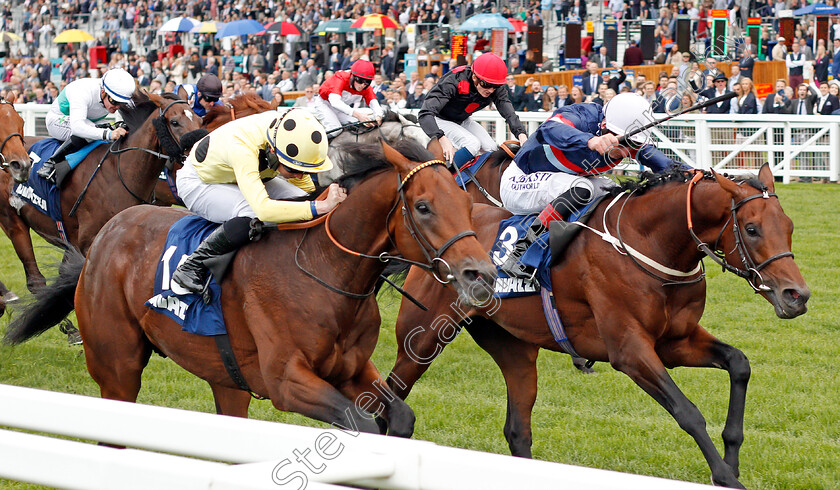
{"points": [[231, 366]]}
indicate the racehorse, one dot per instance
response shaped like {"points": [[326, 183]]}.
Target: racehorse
{"points": [[110, 179], [297, 303], [15, 160], [640, 318]]}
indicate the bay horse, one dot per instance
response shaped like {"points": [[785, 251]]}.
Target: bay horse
{"points": [[297, 303], [125, 174], [638, 318]]}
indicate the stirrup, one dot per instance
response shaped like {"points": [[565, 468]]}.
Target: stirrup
{"points": [[47, 173], [72, 333]]}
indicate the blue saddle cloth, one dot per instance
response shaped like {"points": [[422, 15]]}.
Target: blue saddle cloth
{"points": [[188, 310], [537, 256], [40, 193], [463, 177]]}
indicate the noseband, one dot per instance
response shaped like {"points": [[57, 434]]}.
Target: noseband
{"points": [[751, 272]]}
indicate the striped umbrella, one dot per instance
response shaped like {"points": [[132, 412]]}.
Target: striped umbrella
{"points": [[375, 21], [283, 28]]}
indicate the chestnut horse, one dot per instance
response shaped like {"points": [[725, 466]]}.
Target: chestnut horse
{"points": [[111, 178], [638, 318], [297, 303]]}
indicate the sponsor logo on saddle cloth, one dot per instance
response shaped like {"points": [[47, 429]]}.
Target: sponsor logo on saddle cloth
{"points": [[188, 310]]}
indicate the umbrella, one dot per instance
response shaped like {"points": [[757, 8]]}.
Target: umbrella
{"points": [[240, 28], [7, 37], [73, 36], [283, 28], [482, 22], [207, 27], [335, 25], [818, 8], [518, 25], [375, 21], [179, 24]]}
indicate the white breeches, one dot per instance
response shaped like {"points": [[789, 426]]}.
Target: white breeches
{"points": [[530, 193], [468, 134]]}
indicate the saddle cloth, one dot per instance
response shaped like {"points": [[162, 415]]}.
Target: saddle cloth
{"points": [[188, 310], [472, 167]]}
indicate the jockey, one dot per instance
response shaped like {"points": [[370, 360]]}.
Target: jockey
{"points": [[342, 93], [445, 113], [204, 94], [551, 174], [245, 170], [80, 104]]}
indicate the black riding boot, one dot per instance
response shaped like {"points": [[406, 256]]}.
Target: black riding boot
{"points": [[47, 171], [192, 273], [565, 205]]}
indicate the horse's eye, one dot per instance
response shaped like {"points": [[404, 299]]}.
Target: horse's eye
{"points": [[422, 207], [174, 122], [752, 230]]}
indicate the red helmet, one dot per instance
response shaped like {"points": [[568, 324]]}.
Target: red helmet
{"points": [[490, 68], [363, 69]]}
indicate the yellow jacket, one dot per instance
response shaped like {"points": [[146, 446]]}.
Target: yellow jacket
{"points": [[233, 158]]}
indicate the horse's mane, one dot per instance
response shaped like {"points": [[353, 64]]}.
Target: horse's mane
{"points": [[136, 116], [649, 180], [391, 116], [363, 159], [241, 102]]}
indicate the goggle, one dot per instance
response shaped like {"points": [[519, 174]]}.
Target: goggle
{"points": [[209, 99], [114, 102], [487, 85], [364, 81]]}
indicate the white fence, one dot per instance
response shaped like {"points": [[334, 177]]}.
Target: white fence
{"points": [[264, 454], [795, 146]]}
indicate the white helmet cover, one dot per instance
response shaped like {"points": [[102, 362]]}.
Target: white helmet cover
{"points": [[119, 85], [626, 112]]}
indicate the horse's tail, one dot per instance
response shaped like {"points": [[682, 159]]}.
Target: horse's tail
{"points": [[52, 303]]}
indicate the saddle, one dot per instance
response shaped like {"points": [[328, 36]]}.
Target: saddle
{"points": [[561, 233]]}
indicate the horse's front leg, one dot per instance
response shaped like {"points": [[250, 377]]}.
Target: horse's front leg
{"points": [[18, 232], [702, 349], [631, 351], [518, 363], [299, 389], [372, 395]]}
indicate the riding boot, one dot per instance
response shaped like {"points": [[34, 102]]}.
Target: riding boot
{"points": [[191, 275], [559, 210], [47, 171]]}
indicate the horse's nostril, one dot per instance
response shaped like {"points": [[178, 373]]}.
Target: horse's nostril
{"points": [[15, 165]]}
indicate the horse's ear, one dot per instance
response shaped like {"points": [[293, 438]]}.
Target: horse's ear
{"points": [[727, 184], [156, 99], [401, 163], [182, 93], [765, 175]]}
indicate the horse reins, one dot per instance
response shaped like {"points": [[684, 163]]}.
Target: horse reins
{"points": [[434, 256], [119, 151], [3, 162], [751, 272]]}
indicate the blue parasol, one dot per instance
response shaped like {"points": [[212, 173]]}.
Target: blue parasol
{"points": [[482, 22]]}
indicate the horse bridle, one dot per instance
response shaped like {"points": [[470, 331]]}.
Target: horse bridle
{"points": [[3, 162], [434, 256], [751, 272]]}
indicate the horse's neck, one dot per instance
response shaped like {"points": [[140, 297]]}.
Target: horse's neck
{"points": [[656, 223], [142, 173]]}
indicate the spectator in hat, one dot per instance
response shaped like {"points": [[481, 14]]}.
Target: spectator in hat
{"points": [[780, 49], [720, 88]]}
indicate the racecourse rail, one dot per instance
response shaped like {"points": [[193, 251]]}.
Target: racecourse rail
{"points": [[795, 146], [185, 450]]}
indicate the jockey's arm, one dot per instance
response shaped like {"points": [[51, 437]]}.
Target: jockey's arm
{"points": [[654, 159], [80, 125], [505, 108], [246, 169]]}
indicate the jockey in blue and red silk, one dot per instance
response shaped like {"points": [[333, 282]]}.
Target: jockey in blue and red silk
{"points": [[341, 95], [446, 111], [553, 174]]}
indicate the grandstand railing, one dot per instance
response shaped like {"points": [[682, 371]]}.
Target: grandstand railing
{"points": [[179, 449], [796, 146]]}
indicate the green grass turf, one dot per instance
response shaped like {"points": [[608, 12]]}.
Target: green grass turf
{"points": [[792, 434]]}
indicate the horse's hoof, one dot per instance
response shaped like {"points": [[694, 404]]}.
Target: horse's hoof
{"points": [[72, 333], [10, 297], [580, 364]]}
